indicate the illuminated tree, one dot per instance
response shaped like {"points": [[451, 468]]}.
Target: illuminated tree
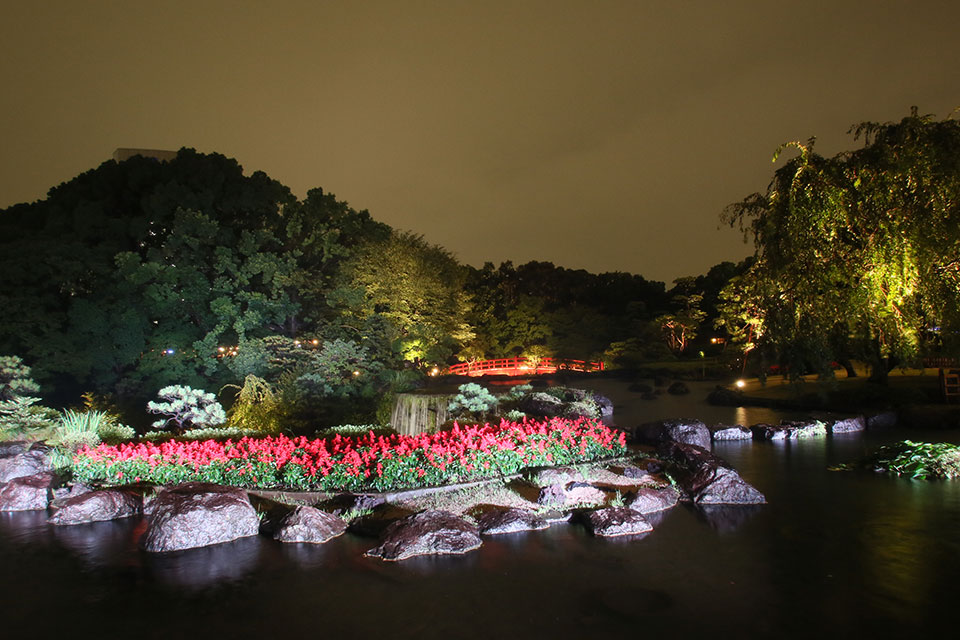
{"points": [[414, 288], [858, 254]]}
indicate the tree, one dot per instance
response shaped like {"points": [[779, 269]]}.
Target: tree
{"points": [[680, 327], [415, 288], [858, 253]]}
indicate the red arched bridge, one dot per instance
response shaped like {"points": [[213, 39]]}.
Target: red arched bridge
{"points": [[521, 367]]}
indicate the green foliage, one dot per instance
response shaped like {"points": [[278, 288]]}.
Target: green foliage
{"points": [[19, 416], [186, 407], [77, 429], [341, 369], [112, 432], [354, 430], [855, 254], [472, 401], [415, 289], [256, 408], [15, 378], [918, 460], [193, 435]]}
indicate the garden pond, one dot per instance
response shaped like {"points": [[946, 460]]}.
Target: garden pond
{"points": [[832, 553]]}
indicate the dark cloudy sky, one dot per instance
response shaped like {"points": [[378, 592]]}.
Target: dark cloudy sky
{"points": [[597, 135]]}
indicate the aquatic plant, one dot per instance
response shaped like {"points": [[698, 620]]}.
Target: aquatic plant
{"points": [[918, 460]]}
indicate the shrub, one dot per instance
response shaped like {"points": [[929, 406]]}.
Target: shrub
{"points": [[919, 460], [256, 408], [15, 379], [186, 407], [473, 401], [76, 429], [115, 432], [19, 415]]}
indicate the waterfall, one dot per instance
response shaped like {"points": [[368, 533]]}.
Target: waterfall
{"points": [[415, 413]]}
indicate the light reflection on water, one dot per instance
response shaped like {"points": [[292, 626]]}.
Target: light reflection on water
{"points": [[832, 554]]}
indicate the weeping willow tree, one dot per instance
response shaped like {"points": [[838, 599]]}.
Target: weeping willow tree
{"points": [[857, 255]]}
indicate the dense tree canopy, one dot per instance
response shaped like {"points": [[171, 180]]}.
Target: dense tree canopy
{"points": [[132, 275], [857, 254]]}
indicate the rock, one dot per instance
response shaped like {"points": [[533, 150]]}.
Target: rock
{"points": [[678, 388], [428, 533], [553, 496], [376, 522], [685, 430], [554, 475], [605, 405], [96, 506], [308, 524], [707, 478], [723, 397], [346, 503], [63, 494], [848, 425], [13, 447], [616, 521], [541, 404], [197, 514], [883, 420], [635, 473], [787, 430], [649, 500], [736, 432], [500, 521], [26, 493], [28, 463]]}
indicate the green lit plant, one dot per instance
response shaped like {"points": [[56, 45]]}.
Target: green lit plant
{"points": [[186, 407], [473, 401], [918, 460], [256, 408]]}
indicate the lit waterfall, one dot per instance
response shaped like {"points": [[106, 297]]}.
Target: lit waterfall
{"points": [[415, 413]]}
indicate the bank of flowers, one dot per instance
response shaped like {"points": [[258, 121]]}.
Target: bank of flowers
{"points": [[367, 462]]}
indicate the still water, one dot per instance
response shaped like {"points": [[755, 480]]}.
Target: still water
{"points": [[833, 554]]}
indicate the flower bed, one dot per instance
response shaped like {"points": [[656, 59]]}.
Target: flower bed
{"points": [[369, 462]]}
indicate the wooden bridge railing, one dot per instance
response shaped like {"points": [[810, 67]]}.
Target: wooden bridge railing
{"points": [[521, 366]]}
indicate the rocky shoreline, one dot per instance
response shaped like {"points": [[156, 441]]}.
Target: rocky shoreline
{"points": [[619, 497]]}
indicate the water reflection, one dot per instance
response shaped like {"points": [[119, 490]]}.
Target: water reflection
{"points": [[727, 518], [197, 569], [100, 544]]}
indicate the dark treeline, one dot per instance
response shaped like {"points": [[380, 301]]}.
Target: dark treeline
{"points": [[144, 273]]}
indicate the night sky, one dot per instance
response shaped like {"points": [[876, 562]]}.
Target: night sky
{"points": [[598, 135]]}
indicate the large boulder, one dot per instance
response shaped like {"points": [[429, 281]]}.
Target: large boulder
{"points": [[687, 431], [651, 500], [707, 478], [27, 463], [541, 404], [428, 533], [736, 432], [376, 521], [96, 506], [498, 521], [616, 521], [26, 493], [308, 524], [197, 514], [848, 425]]}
